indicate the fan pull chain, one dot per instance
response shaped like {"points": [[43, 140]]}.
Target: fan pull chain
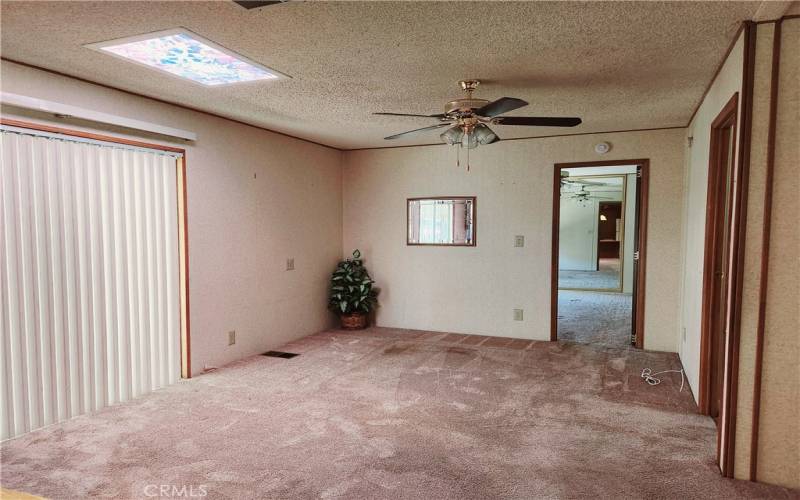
{"points": [[459, 147]]}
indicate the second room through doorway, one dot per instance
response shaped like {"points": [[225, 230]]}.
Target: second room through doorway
{"points": [[596, 254]]}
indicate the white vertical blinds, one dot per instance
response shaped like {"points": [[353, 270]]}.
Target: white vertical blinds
{"points": [[89, 288]]}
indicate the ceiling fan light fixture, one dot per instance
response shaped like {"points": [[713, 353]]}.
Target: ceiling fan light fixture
{"points": [[484, 134], [469, 141], [452, 135]]}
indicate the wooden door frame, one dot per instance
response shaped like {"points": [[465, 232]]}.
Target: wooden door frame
{"points": [[734, 266], [727, 117], [181, 215], [643, 165], [726, 430], [622, 206]]}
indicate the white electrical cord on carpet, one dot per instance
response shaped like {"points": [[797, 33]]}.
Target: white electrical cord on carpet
{"points": [[650, 377]]}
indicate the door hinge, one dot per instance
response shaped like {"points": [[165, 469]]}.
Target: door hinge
{"points": [[639, 172], [636, 255]]}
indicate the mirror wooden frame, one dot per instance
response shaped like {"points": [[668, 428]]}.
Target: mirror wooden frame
{"points": [[474, 241]]}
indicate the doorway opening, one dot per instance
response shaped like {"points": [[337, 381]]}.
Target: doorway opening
{"points": [[599, 237]]}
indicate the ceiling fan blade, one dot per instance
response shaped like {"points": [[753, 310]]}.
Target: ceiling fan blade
{"points": [[500, 106], [409, 114], [423, 129], [567, 180], [254, 4], [537, 121]]}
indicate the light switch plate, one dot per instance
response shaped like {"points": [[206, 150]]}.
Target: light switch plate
{"points": [[517, 314], [290, 264], [231, 337], [519, 241]]}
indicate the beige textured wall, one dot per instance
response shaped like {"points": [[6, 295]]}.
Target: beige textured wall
{"points": [[779, 430], [793, 9], [473, 290], [728, 82], [255, 199]]}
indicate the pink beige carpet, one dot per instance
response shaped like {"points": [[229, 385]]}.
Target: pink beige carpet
{"points": [[394, 414], [599, 318]]}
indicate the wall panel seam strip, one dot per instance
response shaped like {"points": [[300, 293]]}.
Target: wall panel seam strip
{"points": [[765, 247]]}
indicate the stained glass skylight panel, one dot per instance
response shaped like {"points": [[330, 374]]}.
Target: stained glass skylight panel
{"points": [[187, 55]]}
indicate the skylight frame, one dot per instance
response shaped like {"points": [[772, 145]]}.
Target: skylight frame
{"points": [[101, 46]]}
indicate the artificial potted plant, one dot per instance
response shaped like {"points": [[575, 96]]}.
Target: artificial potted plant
{"points": [[352, 296]]}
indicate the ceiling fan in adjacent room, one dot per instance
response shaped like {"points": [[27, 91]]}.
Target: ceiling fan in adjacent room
{"points": [[469, 119], [567, 182], [582, 196]]}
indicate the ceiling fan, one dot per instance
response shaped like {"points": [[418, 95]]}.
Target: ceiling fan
{"points": [[469, 118], [254, 4], [582, 196], [567, 182]]}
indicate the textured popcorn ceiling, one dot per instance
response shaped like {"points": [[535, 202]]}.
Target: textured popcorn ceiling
{"points": [[617, 65]]}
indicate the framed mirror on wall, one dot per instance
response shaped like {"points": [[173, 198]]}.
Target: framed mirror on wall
{"points": [[441, 221]]}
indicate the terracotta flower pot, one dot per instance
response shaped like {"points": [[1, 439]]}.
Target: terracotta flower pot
{"points": [[353, 321]]}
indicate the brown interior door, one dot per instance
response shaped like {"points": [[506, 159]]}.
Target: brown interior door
{"points": [[722, 141]]}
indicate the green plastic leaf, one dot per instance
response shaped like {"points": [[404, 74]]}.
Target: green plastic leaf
{"points": [[351, 286]]}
